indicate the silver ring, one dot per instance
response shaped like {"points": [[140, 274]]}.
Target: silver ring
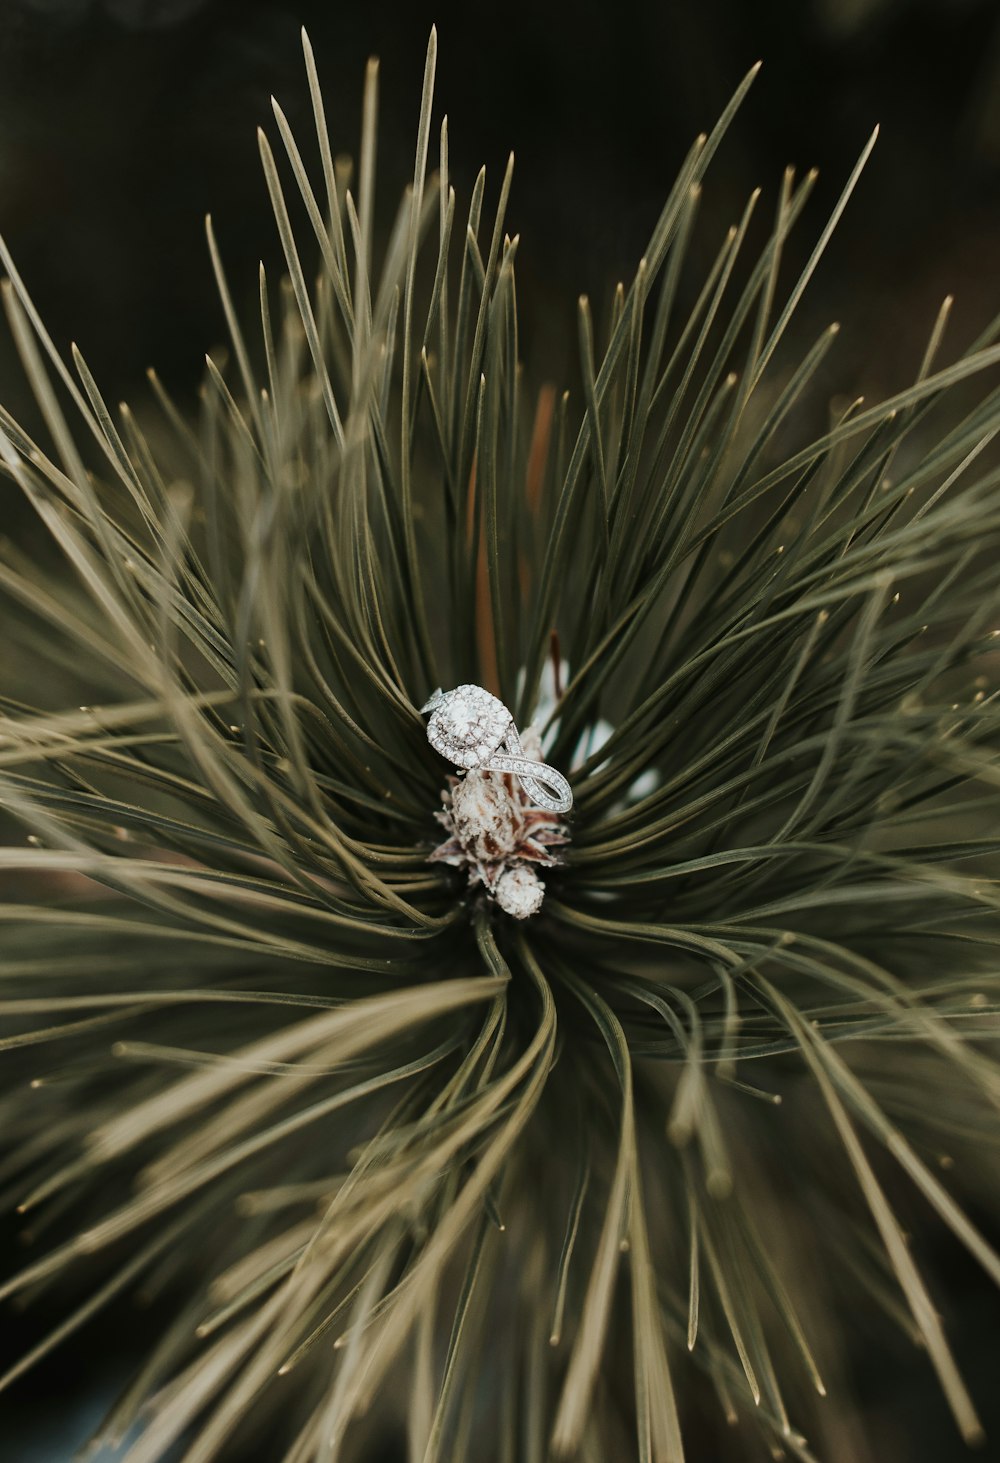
{"points": [[471, 728]]}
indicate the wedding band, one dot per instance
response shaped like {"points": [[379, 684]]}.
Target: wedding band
{"points": [[474, 729]]}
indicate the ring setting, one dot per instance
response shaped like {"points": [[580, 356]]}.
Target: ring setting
{"points": [[475, 730]]}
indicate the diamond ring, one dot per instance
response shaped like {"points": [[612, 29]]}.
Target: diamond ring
{"points": [[470, 727]]}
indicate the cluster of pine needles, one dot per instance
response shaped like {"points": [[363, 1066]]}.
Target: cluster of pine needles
{"points": [[396, 1164]]}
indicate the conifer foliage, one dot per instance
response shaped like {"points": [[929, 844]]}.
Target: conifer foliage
{"points": [[563, 1186]]}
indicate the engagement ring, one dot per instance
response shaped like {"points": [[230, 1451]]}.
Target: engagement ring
{"points": [[470, 727]]}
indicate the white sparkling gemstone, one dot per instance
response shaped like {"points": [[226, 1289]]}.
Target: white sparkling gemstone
{"points": [[467, 726]]}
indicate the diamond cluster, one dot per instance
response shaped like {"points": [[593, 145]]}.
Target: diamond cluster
{"points": [[468, 725]]}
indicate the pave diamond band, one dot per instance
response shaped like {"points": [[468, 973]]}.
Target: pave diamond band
{"points": [[547, 787], [474, 729]]}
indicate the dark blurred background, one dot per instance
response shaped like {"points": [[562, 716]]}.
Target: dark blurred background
{"points": [[123, 121]]}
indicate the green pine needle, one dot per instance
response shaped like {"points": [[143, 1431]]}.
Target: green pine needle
{"points": [[518, 1189]]}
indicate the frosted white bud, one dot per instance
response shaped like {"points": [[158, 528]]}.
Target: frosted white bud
{"points": [[519, 892], [499, 836], [486, 817]]}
